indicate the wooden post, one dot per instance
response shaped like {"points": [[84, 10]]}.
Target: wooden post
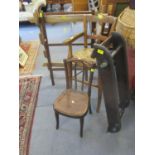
{"points": [[85, 30], [70, 54], [45, 43]]}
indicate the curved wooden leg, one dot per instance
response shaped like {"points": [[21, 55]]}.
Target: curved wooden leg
{"points": [[81, 126], [89, 89], [57, 120], [52, 76], [90, 111]]}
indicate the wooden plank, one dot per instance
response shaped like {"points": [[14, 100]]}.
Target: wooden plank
{"points": [[68, 13], [62, 44], [73, 38], [53, 19]]}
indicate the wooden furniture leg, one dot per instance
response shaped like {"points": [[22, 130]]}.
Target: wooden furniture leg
{"points": [[44, 39], [57, 120], [62, 7], [81, 126]]}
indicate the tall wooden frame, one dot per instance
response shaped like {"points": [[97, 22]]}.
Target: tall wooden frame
{"points": [[52, 18]]}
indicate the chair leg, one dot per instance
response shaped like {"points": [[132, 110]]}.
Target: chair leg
{"points": [[86, 75], [81, 126], [99, 101], [89, 89], [99, 95], [57, 120], [52, 76], [90, 111], [82, 86]]}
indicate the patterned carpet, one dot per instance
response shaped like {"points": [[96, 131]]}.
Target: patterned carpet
{"points": [[31, 48], [28, 95]]}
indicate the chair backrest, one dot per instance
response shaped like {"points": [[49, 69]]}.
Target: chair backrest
{"points": [[101, 29], [77, 67], [107, 24]]}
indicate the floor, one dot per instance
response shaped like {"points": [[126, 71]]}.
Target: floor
{"points": [[45, 139]]}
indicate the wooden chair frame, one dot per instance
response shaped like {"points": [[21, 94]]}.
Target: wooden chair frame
{"points": [[71, 64]]}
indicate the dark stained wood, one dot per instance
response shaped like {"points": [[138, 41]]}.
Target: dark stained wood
{"points": [[81, 126], [57, 119], [73, 103]]}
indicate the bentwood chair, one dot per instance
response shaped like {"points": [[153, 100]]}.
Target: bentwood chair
{"points": [[72, 102], [101, 31]]}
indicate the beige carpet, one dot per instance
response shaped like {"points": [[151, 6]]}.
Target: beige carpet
{"points": [[31, 48]]}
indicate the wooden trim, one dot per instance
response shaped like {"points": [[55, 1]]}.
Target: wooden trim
{"points": [[53, 19], [62, 44], [68, 13], [73, 38], [97, 37]]}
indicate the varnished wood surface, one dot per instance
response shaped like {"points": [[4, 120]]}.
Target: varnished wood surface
{"points": [[72, 102]]}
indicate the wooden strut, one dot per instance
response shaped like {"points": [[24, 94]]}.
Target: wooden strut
{"points": [[45, 42], [62, 44]]}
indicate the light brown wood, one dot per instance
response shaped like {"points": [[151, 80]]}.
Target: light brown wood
{"points": [[73, 38], [85, 31], [70, 54], [52, 19], [97, 37], [80, 5]]}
